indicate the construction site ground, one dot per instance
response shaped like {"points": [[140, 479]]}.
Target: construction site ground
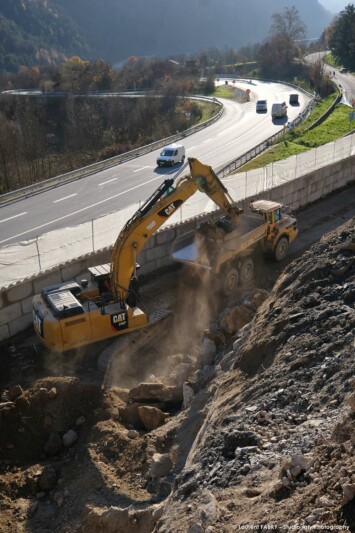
{"points": [[244, 421]]}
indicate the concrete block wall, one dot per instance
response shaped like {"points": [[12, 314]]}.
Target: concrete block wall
{"points": [[16, 301]]}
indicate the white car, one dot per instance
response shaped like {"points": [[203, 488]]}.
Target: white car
{"points": [[174, 153]]}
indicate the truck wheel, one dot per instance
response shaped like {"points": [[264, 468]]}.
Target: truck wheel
{"points": [[246, 271], [281, 249], [229, 281]]}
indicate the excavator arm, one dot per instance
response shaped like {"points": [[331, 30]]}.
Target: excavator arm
{"points": [[156, 211], [69, 315]]}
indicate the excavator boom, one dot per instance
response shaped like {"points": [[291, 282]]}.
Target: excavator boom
{"points": [[70, 315], [155, 212]]}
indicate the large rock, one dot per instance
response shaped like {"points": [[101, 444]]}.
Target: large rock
{"points": [[350, 400], [148, 392], [233, 319], [130, 415], [161, 465], [48, 478], [206, 353], [69, 438], [151, 417], [116, 519]]}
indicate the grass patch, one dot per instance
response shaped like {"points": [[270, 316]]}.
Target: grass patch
{"points": [[208, 110], [297, 141], [224, 91]]}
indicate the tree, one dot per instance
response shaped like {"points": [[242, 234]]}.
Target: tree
{"points": [[288, 25], [277, 56], [73, 74], [341, 37]]}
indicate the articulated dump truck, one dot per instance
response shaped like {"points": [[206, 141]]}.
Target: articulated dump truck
{"points": [[227, 248]]}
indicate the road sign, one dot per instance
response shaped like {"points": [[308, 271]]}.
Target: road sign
{"points": [[247, 91]]}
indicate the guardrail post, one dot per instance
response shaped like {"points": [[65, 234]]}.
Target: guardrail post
{"points": [[92, 235], [38, 256]]}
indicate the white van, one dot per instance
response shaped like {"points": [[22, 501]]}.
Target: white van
{"points": [[174, 153], [279, 110]]}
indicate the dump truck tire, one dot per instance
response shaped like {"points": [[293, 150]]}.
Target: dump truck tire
{"points": [[246, 271], [281, 249], [229, 281]]}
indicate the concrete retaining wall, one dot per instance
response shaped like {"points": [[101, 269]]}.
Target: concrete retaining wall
{"points": [[16, 301]]}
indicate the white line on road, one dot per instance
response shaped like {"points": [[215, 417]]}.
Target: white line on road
{"points": [[15, 216], [208, 140], [139, 169], [64, 198], [80, 210], [108, 181]]}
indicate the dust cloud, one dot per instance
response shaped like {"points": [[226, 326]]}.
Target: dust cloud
{"points": [[155, 353]]}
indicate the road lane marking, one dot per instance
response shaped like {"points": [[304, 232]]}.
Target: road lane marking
{"points": [[65, 198], [108, 181], [208, 140], [139, 169], [79, 210], [15, 216]]}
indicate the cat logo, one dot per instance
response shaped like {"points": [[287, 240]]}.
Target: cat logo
{"points": [[119, 320], [168, 211], [38, 324]]}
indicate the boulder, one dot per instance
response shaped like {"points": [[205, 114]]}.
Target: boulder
{"points": [[151, 417], [116, 519], [48, 479], [132, 434], [69, 438], [348, 493], [206, 353], [147, 392], [161, 465], [14, 392], [350, 400], [233, 319]]}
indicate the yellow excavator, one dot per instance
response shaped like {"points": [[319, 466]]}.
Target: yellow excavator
{"points": [[70, 315]]}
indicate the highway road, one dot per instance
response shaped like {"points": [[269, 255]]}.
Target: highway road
{"points": [[345, 81], [239, 129]]}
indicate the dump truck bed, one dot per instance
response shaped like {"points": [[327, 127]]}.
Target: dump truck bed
{"points": [[209, 246]]}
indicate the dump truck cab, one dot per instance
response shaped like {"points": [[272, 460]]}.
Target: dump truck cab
{"points": [[282, 227]]}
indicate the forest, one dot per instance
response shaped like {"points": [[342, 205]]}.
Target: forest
{"points": [[69, 124]]}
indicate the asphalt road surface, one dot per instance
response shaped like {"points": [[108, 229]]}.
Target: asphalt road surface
{"points": [[239, 129]]}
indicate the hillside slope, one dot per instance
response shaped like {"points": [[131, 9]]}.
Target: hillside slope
{"points": [[34, 32], [277, 445], [44, 31]]}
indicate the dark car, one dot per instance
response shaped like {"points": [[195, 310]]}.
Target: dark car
{"points": [[261, 106], [293, 99]]}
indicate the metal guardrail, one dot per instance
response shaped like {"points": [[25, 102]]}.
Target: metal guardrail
{"points": [[111, 162]]}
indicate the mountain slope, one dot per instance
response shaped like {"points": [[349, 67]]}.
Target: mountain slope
{"points": [[32, 32], [157, 28]]}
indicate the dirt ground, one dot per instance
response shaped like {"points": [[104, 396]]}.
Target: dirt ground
{"points": [[251, 406]]}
